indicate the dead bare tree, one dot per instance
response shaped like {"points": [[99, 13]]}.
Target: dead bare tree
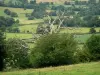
{"points": [[60, 17]]}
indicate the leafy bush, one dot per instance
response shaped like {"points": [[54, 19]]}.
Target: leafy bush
{"points": [[13, 14], [83, 55], [27, 15], [7, 11], [2, 3], [30, 17], [39, 11], [53, 50], [13, 30], [17, 21], [93, 47], [92, 30], [52, 14], [6, 21], [2, 49], [17, 54]]}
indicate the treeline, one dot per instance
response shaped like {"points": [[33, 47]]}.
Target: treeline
{"points": [[49, 50], [10, 24], [82, 16], [12, 14], [21, 4]]}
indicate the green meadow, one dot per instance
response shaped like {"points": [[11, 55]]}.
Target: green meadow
{"points": [[92, 68]]}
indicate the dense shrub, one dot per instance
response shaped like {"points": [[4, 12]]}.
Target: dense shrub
{"points": [[53, 13], [6, 21], [7, 11], [27, 15], [2, 3], [39, 11], [60, 7], [93, 47], [83, 55], [17, 21], [40, 29], [2, 49], [30, 17], [13, 30], [92, 30], [67, 3], [17, 54], [53, 50], [13, 14]]}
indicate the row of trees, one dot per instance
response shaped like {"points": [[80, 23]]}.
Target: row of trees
{"points": [[78, 16], [49, 50], [6, 21], [9, 23], [22, 4], [12, 14]]}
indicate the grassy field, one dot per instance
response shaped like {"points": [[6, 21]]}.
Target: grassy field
{"points": [[92, 68], [18, 35], [31, 26], [21, 14], [17, 10], [77, 30]]}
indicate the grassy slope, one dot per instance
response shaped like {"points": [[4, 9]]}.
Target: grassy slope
{"points": [[78, 69], [31, 24]]}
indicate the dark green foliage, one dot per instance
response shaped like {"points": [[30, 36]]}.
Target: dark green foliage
{"points": [[66, 3], [2, 3], [17, 21], [80, 2], [94, 21], [53, 50], [2, 49], [7, 11], [74, 22], [31, 18], [6, 21], [93, 47], [13, 14], [39, 11], [32, 1], [27, 14], [17, 3], [17, 54], [53, 13], [40, 29], [13, 30], [60, 7], [83, 55], [92, 30]]}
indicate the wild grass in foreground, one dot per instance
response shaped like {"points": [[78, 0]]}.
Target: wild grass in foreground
{"points": [[78, 69]]}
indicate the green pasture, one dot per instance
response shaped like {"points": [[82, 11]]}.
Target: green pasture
{"points": [[92, 68], [77, 30], [30, 28], [21, 14], [17, 10], [18, 35]]}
